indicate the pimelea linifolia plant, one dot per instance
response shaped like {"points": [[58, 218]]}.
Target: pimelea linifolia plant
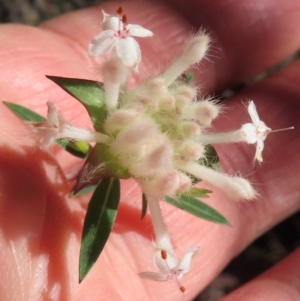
{"points": [[158, 133]]}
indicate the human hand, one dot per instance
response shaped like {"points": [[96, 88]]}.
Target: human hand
{"points": [[41, 226]]}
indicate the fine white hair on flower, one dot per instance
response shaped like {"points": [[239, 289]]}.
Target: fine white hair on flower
{"points": [[117, 35], [193, 52], [55, 127]]}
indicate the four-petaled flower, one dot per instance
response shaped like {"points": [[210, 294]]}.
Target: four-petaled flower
{"points": [[55, 127], [169, 267], [255, 132], [118, 36]]}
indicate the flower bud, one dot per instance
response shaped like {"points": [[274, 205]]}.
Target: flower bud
{"points": [[186, 91], [203, 111], [155, 86], [130, 138], [190, 151], [120, 119], [193, 52], [161, 185], [157, 161], [195, 49], [188, 129]]}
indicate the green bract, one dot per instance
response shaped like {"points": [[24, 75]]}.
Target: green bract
{"points": [[87, 92]]}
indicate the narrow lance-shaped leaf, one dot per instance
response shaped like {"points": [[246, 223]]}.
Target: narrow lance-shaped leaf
{"points": [[24, 113], [89, 93], [98, 223], [197, 208], [76, 148]]}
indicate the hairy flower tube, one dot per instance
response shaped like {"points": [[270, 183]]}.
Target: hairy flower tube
{"points": [[157, 133]]}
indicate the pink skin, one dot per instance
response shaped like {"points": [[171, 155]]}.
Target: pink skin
{"points": [[35, 205]]}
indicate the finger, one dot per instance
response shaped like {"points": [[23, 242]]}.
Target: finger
{"points": [[251, 35], [192, 233], [279, 283], [63, 52], [39, 229], [248, 37]]}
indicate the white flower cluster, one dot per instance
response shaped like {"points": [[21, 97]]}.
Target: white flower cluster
{"points": [[158, 131]]}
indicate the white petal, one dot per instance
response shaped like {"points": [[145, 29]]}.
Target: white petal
{"points": [[110, 22], [186, 261], [129, 51], [253, 113], [154, 276], [165, 265], [259, 149], [53, 117], [138, 31], [102, 43], [263, 130]]}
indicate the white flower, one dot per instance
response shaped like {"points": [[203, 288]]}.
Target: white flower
{"points": [[170, 267], [118, 35], [165, 259], [55, 127], [255, 132]]}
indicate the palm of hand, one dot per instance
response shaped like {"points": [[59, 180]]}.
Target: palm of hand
{"points": [[40, 228]]}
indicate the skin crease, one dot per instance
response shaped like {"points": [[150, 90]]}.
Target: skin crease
{"points": [[40, 225]]}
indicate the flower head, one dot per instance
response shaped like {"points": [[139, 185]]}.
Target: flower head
{"points": [[169, 267], [118, 35]]}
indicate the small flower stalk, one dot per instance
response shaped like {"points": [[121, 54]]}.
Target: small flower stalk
{"points": [[157, 133]]}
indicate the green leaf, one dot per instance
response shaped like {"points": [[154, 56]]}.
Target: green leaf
{"points": [[98, 223], [197, 208], [197, 192], [212, 159], [99, 164], [85, 190], [144, 206], [89, 93], [76, 148], [24, 113]]}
